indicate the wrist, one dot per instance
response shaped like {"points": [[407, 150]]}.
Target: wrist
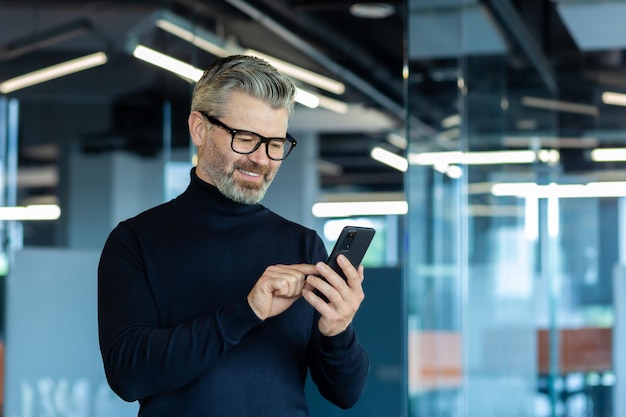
{"points": [[255, 310]]}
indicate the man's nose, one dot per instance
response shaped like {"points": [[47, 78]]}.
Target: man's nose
{"points": [[260, 154]]}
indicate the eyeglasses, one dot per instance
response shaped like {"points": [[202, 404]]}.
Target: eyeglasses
{"points": [[246, 142]]}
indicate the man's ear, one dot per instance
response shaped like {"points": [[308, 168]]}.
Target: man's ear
{"points": [[197, 128]]}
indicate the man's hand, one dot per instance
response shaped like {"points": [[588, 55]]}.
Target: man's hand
{"points": [[344, 297], [278, 288]]}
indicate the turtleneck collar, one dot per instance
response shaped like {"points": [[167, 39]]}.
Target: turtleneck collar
{"points": [[202, 196]]}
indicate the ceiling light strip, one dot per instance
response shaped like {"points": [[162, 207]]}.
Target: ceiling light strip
{"points": [[301, 74], [333, 105], [205, 40], [552, 142], [360, 208], [167, 62], [308, 99], [34, 212], [320, 58], [202, 39], [193, 74], [608, 154], [52, 72], [389, 158], [562, 106], [616, 99], [534, 190], [481, 158]]}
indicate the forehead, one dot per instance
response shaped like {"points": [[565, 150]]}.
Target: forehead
{"points": [[242, 111]]}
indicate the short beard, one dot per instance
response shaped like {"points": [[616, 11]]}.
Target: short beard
{"points": [[240, 193], [214, 165], [215, 168]]}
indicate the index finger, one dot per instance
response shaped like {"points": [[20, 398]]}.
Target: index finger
{"points": [[305, 269], [354, 275]]}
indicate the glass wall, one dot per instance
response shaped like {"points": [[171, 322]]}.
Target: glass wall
{"points": [[509, 278]]}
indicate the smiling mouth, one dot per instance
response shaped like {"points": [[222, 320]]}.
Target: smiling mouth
{"points": [[249, 173]]}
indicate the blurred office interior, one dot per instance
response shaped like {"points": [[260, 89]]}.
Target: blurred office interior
{"points": [[485, 141]]}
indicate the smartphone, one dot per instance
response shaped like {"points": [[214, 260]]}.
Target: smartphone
{"points": [[353, 243]]}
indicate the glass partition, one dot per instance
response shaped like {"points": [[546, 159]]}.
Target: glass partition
{"points": [[509, 277]]}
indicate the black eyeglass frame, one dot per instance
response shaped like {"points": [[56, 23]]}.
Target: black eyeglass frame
{"points": [[262, 138]]}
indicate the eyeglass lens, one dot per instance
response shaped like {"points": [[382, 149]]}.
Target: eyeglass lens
{"points": [[248, 142]]}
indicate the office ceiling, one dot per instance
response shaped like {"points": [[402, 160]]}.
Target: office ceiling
{"points": [[571, 50]]}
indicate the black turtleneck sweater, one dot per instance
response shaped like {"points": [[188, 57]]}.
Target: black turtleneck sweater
{"points": [[176, 331]]}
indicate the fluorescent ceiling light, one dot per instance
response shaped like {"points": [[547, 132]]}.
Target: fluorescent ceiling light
{"points": [[533, 190], [389, 158], [308, 99], [552, 142], [183, 29], [435, 158], [549, 156], [615, 99], [168, 63], [608, 154], [360, 208], [34, 212], [375, 10], [193, 74], [52, 72], [301, 74], [563, 106], [483, 158], [314, 101], [333, 105], [501, 157], [209, 42]]}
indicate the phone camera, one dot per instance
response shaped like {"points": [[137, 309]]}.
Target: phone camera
{"points": [[349, 239]]}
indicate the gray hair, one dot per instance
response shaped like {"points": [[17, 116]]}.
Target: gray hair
{"points": [[248, 74]]}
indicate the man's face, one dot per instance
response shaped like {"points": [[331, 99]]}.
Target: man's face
{"points": [[242, 178]]}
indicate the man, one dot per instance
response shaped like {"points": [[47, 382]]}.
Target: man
{"points": [[206, 304]]}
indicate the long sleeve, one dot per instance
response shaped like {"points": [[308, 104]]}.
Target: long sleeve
{"points": [[339, 367], [176, 331], [141, 356]]}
